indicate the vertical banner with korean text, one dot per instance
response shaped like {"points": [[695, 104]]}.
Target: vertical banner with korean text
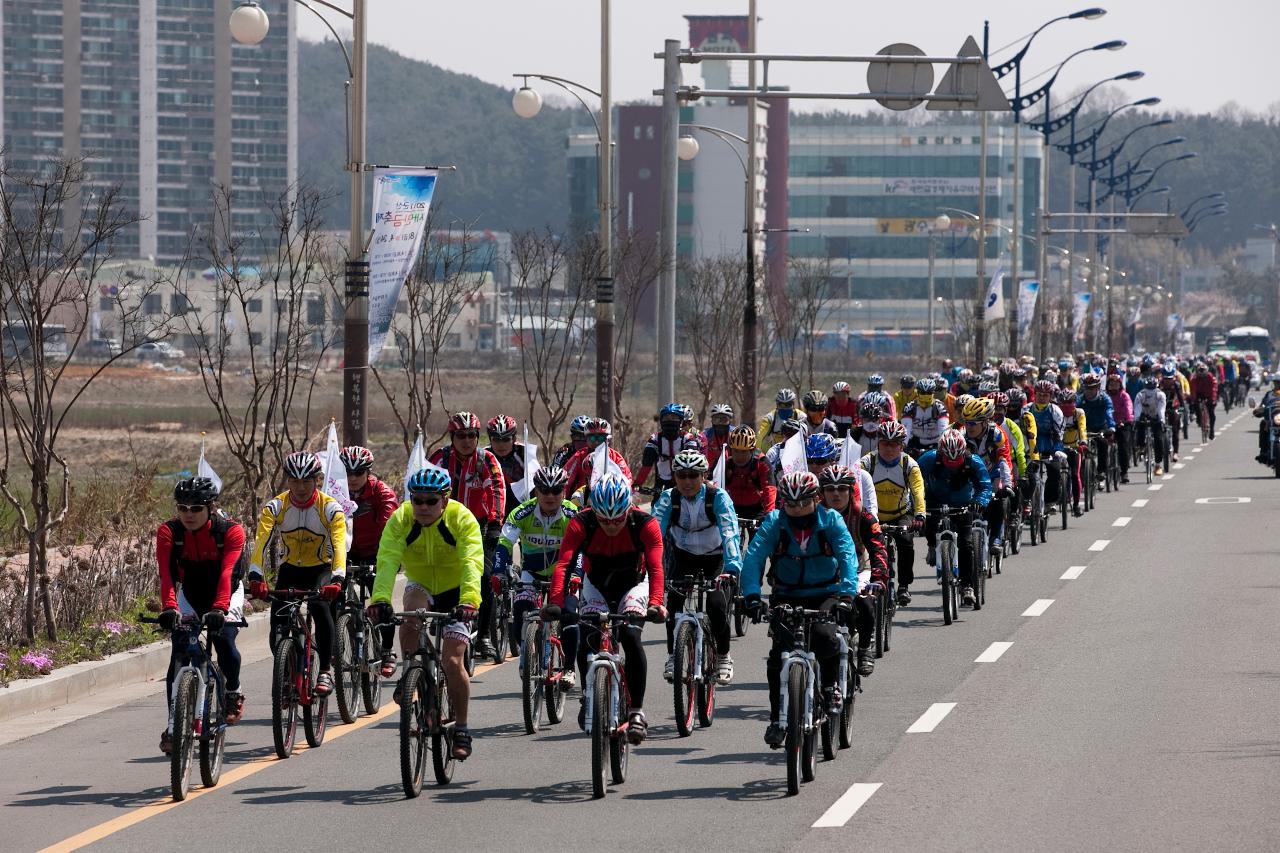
{"points": [[401, 202], [1027, 293]]}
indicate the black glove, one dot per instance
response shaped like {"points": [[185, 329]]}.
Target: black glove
{"points": [[169, 620], [656, 613], [829, 606], [752, 606], [845, 603], [381, 613], [551, 612], [214, 620]]}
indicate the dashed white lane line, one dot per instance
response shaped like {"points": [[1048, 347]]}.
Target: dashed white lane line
{"points": [[1155, 488], [993, 653], [1139, 503], [1099, 544], [1170, 476], [1122, 521], [1072, 573], [1196, 449], [848, 804], [929, 719], [1039, 607], [1178, 466]]}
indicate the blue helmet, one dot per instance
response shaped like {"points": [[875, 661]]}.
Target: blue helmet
{"points": [[1169, 370], [875, 380], [674, 409], [820, 447], [579, 425], [611, 497], [429, 480]]}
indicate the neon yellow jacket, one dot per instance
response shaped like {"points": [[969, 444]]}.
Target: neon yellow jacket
{"points": [[445, 556]]}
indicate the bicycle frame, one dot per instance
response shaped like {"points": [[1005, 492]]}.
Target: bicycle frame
{"points": [[200, 661], [550, 639], [299, 628], [693, 613], [800, 655], [611, 660]]}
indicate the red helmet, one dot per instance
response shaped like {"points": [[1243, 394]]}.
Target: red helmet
{"points": [[464, 421], [502, 426], [1044, 386], [599, 426], [356, 459], [952, 448]]}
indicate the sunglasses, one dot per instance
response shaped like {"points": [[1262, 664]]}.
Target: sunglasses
{"points": [[836, 488], [799, 504], [190, 508], [431, 501], [688, 475], [493, 436], [474, 434], [597, 439], [544, 491]]}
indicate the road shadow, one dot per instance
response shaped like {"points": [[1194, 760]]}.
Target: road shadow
{"points": [[761, 757], [757, 791], [280, 795], [561, 792], [1243, 751], [83, 795]]}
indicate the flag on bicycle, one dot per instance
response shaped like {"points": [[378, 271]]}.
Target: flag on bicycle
{"points": [[995, 297], [793, 454], [602, 463], [849, 448], [204, 469], [718, 475], [335, 478], [524, 487], [417, 461]]}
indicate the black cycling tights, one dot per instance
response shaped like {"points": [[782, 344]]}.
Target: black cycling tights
{"points": [[307, 577]]}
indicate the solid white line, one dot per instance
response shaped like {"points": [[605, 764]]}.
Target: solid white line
{"points": [[1039, 607], [929, 719], [1139, 503], [1122, 521], [1072, 573], [1099, 544], [1155, 488], [848, 804], [993, 653]]}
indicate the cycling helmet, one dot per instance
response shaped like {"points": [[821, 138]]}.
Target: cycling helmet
{"points": [[820, 447], [986, 387], [875, 381], [1149, 382], [924, 386], [356, 459], [840, 387], [686, 413], [952, 445], [792, 425], [599, 426], [611, 497], [502, 426], [962, 401], [815, 401], [837, 475], [723, 409], [196, 490], [907, 381], [892, 431], [999, 398], [689, 460], [742, 438], [1092, 380], [1015, 398], [786, 398], [798, 486], [579, 425], [964, 375], [1066, 397], [464, 421], [1044, 386], [880, 398], [429, 480], [870, 410], [672, 410], [552, 478], [302, 465], [1169, 371], [1148, 361], [978, 409]]}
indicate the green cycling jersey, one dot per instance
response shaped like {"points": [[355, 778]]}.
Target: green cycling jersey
{"points": [[538, 536]]}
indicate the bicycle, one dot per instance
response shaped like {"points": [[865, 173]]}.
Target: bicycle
{"points": [[1202, 417], [1147, 450], [695, 660], [425, 709], [741, 622], [947, 561], [197, 706], [887, 601], [296, 667], [1088, 475], [606, 699], [500, 624], [1186, 419], [981, 561], [542, 663], [1066, 485], [1039, 517], [358, 661], [1013, 522]]}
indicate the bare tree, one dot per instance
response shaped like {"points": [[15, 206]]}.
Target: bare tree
{"points": [[441, 283], [710, 309], [262, 344], [798, 316], [637, 260], [55, 243]]}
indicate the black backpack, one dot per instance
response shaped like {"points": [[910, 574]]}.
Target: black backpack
{"points": [[220, 524]]}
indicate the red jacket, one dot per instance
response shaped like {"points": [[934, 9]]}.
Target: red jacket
{"points": [[213, 584], [1204, 385], [374, 506], [868, 537], [578, 468], [750, 485], [477, 482], [843, 414], [649, 564]]}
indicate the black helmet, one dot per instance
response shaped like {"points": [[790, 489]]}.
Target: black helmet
{"points": [[196, 490]]}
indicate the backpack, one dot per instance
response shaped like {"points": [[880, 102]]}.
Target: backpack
{"points": [[708, 506], [590, 523], [780, 553], [219, 525]]}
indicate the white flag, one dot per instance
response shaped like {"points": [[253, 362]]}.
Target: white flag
{"points": [[849, 450], [602, 463], [417, 461], [793, 454], [995, 297], [335, 478], [524, 488], [204, 469], [718, 476]]}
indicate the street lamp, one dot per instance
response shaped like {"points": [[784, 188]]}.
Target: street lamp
{"points": [[1209, 197], [526, 102], [688, 147], [1145, 193], [249, 25]]}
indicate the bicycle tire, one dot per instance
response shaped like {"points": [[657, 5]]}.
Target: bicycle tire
{"points": [[371, 674], [881, 613], [979, 571], [213, 747], [1064, 496], [315, 714], [794, 744], [184, 717], [850, 703], [346, 683], [707, 686], [500, 627], [442, 761], [601, 694], [943, 559], [890, 610], [619, 758], [414, 702], [809, 751], [683, 688], [284, 705], [532, 679]]}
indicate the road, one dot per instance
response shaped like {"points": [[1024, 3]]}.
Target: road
{"points": [[1127, 699]]}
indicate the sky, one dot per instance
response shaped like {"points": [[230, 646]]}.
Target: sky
{"points": [[1197, 55]]}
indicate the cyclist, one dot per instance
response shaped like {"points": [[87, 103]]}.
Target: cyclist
{"points": [[870, 418], [702, 536], [1174, 400], [769, 430], [774, 454], [814, 565], [747, 476], [538, 526], [1204, 386], [620, 546], [577, 441], [313, 539], [1122, 414], [198, 552], [838, 484], [1266, 410], [1019, 411], [439, 544], [1099, 414], [1012, 433], [875, 390], [716, 436], [899, 495], [1151, 408], [375, 501], [905, 394], [509, 453], [663, 446], [1049, 426], [925, 419], [477, 483], [815, 414], [842, 409], [956, 478], [989, 443], [1075, 443], [822, 450], [580, 465]]}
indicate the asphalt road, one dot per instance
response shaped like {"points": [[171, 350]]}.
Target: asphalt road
{"points": [[1136, 710]]}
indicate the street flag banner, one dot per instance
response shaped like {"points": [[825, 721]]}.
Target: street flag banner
{"points": [[204, 469], [602, 463], [401, 201], [1027, 293], [1172, 322], [417, 461], [1135, 314], [849, 448], [793, 454], [718, 475], [1080, 310], [524, 487], [995, 297], [335, 478]]}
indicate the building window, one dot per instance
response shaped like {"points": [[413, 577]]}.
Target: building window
{"points": [[106, 303], [255, 339], [453, 340], [179, 304], [315, 312], [151, 304], [253, 306]]}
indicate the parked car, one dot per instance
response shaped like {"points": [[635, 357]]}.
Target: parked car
{"points": [[158, 351], [98, 349]]}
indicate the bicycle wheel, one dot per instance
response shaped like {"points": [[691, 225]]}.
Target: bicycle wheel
{"points": [[554, 693], [441, 718], [315, 714], [683, 688], [1064, 496], [707, 686], [809, 749], [213, 746], [601, 696], [414, 702], [980, 571], [284, 699], [850, 702], [881, 616], [532, 678], [370, 673], [619, 756], [890, 610], [944, 560], [500, 626], [346, 682], [795, 727], [184, 717]]}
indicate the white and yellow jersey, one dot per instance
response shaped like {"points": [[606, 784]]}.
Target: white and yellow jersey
{"points": [[310, 535]]}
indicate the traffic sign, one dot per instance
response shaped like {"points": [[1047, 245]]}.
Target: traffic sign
{"points": [[970, 80], [913, 78]]}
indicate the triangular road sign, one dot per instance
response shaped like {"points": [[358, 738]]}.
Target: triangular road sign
{"points": [[970, 80]]}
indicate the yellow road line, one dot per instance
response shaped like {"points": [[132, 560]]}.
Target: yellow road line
{"points": [[137, 815]]}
